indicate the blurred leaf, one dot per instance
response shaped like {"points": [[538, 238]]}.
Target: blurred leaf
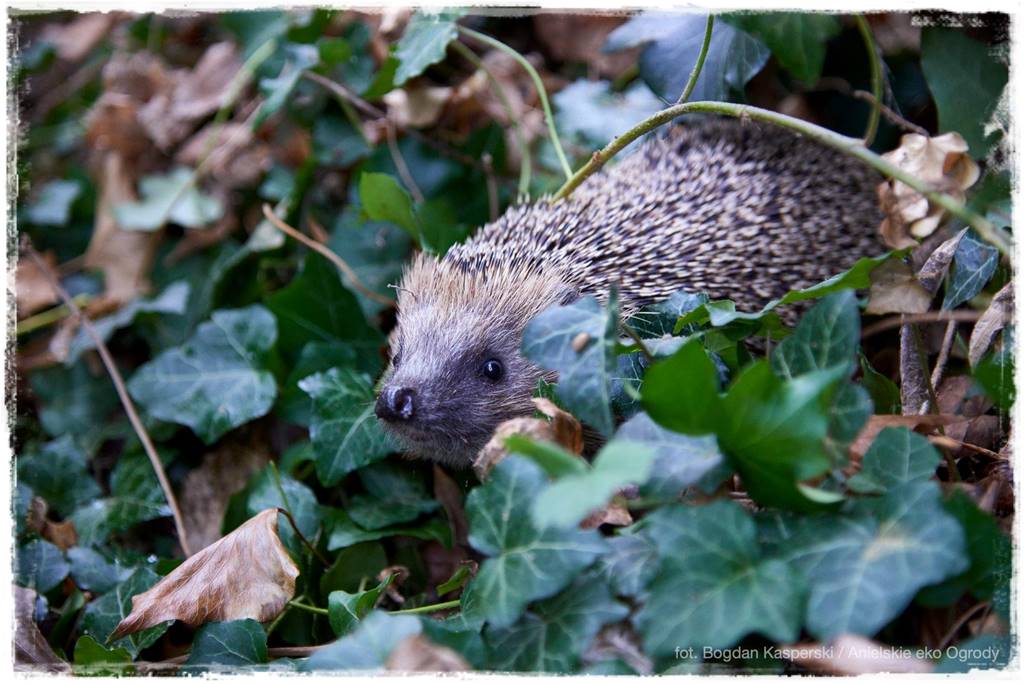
{"points": [[570, 499], [590, 111], [345, 433], [995, 373], [712, 586], [58, 472], [93, 659], [316, 307], [885, 395], [40, 566], [502, 528], [255, 27], [229, 645], [278, 89], [52, 206], [828, 335], [92, 572], [367, 648], [217, 380], [354, 568], [424, 42], [103, 614], [172, 300], [966, 80], [346, 610], [555, 633], [974, 264], [551, 457], [383, 199], [630, 563], [673, 41], [797, 39], [336, 142], [680, 461], [866, 566], [394, 495], [169, 198], [584, 376], [692, 407], [895, 457], [985, 652]]}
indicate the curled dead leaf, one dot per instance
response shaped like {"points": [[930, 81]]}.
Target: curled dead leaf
{"points": [[417, 107], [32, 287], [562, 429], [32, 653], [849, 654], [944, 164], [419, 654], [894, 289], [934, 269], [246, 574], [995, 318], [615, 513]]}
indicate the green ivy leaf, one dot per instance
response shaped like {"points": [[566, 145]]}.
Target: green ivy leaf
{"points": [[346, 610], [383, 199], [692, 407], [555, 633], [92, 572], [828, 335], [103, 614], [552, 458], [394, 495], [316, 307], [367, 648], [172, 300], [93, 659], [570, 499], [73, 401], [797, 39], [424, 43], [278, 89], [346, 435], [40, 566], [712, 586], [227, 645], [966, 81], [896, 456], [590, 112], [375, 250], [680, 461], [345, 533], [864, 567], [217, 380], [630, 564], [58, 472], [169, 198], [585, 376], [299, 499], [673, 41], [974, 264], [337, 143], [525, 562]]}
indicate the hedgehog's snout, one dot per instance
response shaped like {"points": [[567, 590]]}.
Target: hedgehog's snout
{"points": [[396, 404]]}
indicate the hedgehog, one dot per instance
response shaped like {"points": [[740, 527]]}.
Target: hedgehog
{"points": [[730, 208]]}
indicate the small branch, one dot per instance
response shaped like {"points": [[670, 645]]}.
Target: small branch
{"points": [[929, 317], [890, 113], [326, 252], [691, 83], [538, 84], [844, 144], [639, 342], [122, 392], [45, 318], [525, 163], [876, 78], [950, 443], [434, 607]]}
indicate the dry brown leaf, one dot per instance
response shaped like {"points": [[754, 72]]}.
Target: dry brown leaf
{"points": [[32, 286], [417, 107], [32, 653], [450, 497], [171, 115], [933, 270], [877, 423], [63, 534], [943, 163], [419, 654], [223, 472], [849, 654], [580, 38], [74, 40], [563, 429], [237, 159], [247, 574], [995, 318], [894, 289], [615, 513], [124, 256]]}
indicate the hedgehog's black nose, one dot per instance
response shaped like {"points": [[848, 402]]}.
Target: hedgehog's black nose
{"points": [[396, 404]]}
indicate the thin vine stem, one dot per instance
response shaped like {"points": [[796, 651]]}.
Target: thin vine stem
{"points": [[499, 91], [691, 83], [428, 609], [308, 608], [538, 84], [851, 146], [876, 78]]}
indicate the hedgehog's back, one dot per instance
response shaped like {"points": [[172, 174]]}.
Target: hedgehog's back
{"points": [[739, 210]]}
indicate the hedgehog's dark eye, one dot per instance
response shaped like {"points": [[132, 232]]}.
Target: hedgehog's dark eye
{"points": [[493, 370]]}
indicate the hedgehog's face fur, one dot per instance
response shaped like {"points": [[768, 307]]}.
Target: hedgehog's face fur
{"points": [[456, 371]]}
